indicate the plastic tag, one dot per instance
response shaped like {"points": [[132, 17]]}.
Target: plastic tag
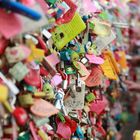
{"points": [[94, 59], [43, 108], [90, 97], [103, 42], [98, 106], [108, 71], [110, 67], [94, 78], [122, 59], [63, 130], [76, 102], [101, 28]]}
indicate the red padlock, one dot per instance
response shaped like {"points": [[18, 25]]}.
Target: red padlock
{"points": [[33, 77], [20, 116]]}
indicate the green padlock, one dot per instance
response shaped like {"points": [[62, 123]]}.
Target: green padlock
{"points": [[48, 89], [26, 100], [69, 70], [61, 116], [24, 136], [74, 56], [90, 97]]}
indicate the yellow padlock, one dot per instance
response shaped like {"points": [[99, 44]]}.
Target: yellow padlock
{"points": [[136, 135], [3, 98], [42, 134]]}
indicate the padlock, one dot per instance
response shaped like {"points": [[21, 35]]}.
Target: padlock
{"points": [[25, 100], [60, 115], [42, 134], [3, 98], [79, 133], [48, 89], [19, 71], [90, 97], [20, 116], [65, 55], [24, 136]]}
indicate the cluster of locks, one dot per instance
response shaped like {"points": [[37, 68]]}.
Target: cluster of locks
{"points": [[62, 69]]}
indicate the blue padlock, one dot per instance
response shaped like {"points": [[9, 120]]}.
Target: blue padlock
{"points": [[65, 55], [79, 133]]}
